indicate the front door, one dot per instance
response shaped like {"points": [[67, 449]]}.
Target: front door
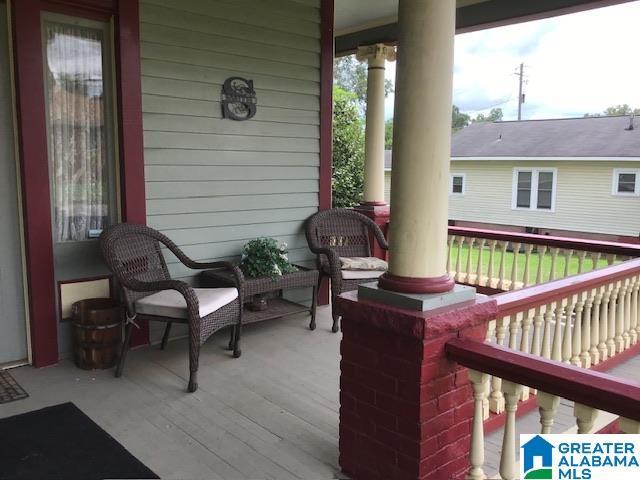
{"points": [[81, 140], [13, 329]]}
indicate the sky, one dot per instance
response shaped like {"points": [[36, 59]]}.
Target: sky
{"points": [[573, 64]]}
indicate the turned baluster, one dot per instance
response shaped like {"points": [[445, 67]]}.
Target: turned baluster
{"points": [[611, 259], [595, 257], [538, 322], [547, 406], [459, 259], [492, 254], [467, 275], [542, 251], [604, 323], [514, 268], [508, 463], [613, 317], [569, 332], [578, 320], [581, 257], [546, 338], [496, 399], [526, 280], [635, 325], [501, 271], [556, 347], [479, 277], [476, 452], [525, 346], [620, 314], [587, 321], [626, 334], [554, 261], [568, 254], [595, 326], [450, 240], [585, 417]]}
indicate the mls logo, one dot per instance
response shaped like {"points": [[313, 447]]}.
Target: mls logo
{"points": [[537, 459]]}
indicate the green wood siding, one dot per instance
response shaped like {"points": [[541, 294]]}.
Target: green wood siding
{"points": [[213, 184]]}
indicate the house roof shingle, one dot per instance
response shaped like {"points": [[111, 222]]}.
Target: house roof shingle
{"points": [[607, 137]]}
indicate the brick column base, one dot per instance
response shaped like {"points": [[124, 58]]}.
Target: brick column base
{"points": [[380, 215], [405, 409]]}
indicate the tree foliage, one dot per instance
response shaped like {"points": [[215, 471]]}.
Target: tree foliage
{"points": [[348, 150], [388, 134], [351, 75], [495, 115], [459, 120], [614, 110]]}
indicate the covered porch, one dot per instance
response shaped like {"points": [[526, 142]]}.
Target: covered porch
{"points": [[388, 397]]}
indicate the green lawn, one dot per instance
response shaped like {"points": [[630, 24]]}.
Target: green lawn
{"points": [[533, 264]]}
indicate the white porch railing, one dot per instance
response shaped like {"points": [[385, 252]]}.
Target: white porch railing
{"points": [[510, 261], [591, 393]]}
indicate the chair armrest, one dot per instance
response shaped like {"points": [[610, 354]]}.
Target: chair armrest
{"points": [[377, 233]]}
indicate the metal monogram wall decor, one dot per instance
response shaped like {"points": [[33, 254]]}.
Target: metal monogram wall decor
{"points": [[238, 99]]}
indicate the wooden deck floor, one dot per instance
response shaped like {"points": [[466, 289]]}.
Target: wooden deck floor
{"points": [[271, 414]]}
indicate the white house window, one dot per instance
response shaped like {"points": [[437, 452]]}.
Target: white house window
{"points": [[458, 184], [534, 189], [626, 182]]}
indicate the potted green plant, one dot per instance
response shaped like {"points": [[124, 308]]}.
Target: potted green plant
{"points": [[264, 257]]}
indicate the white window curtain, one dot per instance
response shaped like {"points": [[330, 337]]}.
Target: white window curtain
{"points": [[77, 130]]}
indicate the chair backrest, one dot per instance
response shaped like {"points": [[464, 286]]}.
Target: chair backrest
{"points": [[133, 252], [344, 231]]}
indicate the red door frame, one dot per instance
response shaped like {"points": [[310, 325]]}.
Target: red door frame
{"points": [[326, 117], [32, 144]]}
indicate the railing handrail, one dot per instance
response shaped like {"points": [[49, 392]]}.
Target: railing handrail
{"points": [[587, 387], [545, 293], [579, 244]]}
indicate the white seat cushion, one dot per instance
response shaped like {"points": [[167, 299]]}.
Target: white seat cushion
{"points": [[363, 263], [171, 303], [360, 274]]}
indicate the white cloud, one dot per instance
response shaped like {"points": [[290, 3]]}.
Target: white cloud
{"points": [[574, 64]]}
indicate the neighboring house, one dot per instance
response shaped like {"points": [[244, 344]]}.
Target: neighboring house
{"points": [[574, 176]]}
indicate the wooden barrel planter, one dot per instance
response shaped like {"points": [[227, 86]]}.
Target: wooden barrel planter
{"points": [[97, 332]]}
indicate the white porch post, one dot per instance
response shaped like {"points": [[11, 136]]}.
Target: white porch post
{"points": [[421, 148], [375, 55]]}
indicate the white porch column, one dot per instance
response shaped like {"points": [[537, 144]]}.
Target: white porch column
{"points": [[375, 55], [421, 148]]}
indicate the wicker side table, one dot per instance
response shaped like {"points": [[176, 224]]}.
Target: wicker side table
{"points": [[278, 306]]}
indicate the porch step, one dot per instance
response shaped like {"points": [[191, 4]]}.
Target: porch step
{"points": [[564, 421]]}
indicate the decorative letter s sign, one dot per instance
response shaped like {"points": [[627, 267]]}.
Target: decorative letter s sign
{"points": [[238, 99]]}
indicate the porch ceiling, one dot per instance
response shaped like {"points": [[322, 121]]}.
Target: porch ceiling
{"points": [[362, 22]]}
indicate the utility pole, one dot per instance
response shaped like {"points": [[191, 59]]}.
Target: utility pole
{"points": [[520, 94]]}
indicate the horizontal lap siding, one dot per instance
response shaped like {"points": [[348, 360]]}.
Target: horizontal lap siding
{"points": [[584, 202], [213, 184]]}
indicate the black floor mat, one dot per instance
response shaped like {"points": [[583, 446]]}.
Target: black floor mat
{"points": [[61, 442]]}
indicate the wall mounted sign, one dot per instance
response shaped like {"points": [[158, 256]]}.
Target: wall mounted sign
{"points": [[238, 99]]}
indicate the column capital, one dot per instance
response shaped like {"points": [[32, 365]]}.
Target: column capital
{"points": [[376, 54]]}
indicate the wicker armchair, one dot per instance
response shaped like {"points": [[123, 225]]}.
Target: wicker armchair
{"points": [[336, 233], [133, 253]]}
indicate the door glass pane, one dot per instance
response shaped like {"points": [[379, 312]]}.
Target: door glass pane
{"points": [[545, 190], [524, 190], [79, 129]]}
